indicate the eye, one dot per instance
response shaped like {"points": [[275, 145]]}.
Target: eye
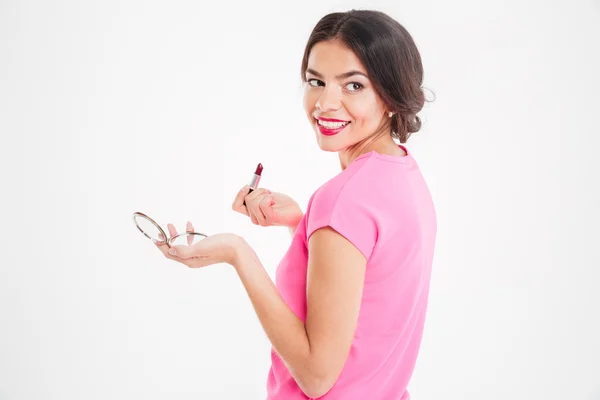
{"points": [[354, 86], [314, 82]]}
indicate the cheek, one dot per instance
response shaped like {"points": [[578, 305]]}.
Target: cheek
{"points": [[363, 110], [359, 113], [309, 100]]}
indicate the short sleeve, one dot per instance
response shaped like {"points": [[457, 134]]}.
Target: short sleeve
{"points": [[347, 213]]}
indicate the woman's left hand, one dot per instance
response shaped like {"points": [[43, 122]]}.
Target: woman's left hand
{"points": [[215, 249]]}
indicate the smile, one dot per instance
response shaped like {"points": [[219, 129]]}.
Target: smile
{"points": [[332, 125], [330, 128]]}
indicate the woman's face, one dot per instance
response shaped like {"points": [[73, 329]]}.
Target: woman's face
{"points": [[337, 87]]}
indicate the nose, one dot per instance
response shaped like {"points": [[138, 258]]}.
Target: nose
{"points": [[329, 100]]}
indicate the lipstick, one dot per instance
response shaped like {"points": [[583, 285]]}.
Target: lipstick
{"points": [[255, 179], [331, 131]]}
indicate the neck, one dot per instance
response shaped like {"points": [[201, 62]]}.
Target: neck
{"points": [[383, 145]]}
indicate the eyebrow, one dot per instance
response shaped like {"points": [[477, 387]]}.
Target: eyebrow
{"points": [[341, 76]]}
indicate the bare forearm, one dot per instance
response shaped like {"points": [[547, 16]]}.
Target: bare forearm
{"points": [[286, 332]]}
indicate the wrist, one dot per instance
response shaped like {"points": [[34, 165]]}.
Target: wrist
{"points": [[294, 224], [239, 251]]}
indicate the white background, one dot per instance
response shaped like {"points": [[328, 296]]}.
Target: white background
{"points": [[112, 107]]}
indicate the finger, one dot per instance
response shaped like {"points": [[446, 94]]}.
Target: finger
{"points": [[189, 228], [238, 202], [252, 217], [163, 241], [256, 193], [172, 230], [254, 209], [249, 191], [266, 208], [164, 248], [182, 252], [254, 213]]}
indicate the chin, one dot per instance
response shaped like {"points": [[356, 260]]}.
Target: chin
{"points": [[326, 144], [328, 149]]}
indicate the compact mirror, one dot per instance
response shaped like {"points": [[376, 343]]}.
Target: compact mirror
{"points": [[154, 232]]}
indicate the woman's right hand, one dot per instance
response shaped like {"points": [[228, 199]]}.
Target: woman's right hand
{"points": [[266, 208]]}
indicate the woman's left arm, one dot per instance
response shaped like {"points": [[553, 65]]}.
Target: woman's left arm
{"points": [[315, 352]]}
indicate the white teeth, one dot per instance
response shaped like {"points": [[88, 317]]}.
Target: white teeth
{"points": [[332, 125]]}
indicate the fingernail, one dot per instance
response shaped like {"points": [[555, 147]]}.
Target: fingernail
{"points": [[172, 252]]}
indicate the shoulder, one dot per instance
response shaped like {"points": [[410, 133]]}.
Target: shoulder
{"points": [[351, 182], [343, 204]]}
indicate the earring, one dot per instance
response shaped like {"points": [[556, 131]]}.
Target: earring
{"points": [[390, 114]]}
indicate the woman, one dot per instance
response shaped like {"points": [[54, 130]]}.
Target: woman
{"points": [[346, 315]]}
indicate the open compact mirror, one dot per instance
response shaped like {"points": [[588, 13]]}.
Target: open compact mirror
{"points": [[154, 232]]}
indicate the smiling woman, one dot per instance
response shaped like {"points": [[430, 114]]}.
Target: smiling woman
{"points": [[345, 316], [362, 70], [358, 270]]}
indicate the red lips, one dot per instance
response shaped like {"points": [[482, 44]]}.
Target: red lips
{"points": [[331, 131], [331, 119]]}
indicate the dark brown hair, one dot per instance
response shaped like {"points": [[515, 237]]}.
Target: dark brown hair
{"points": [[391, 59]]}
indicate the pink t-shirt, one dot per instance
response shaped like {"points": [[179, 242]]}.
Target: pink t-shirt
{"points": [[382, 205]]}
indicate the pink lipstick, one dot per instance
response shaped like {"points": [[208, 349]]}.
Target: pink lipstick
{"points": [[331, 131], [331, 119], [255, 179]]}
